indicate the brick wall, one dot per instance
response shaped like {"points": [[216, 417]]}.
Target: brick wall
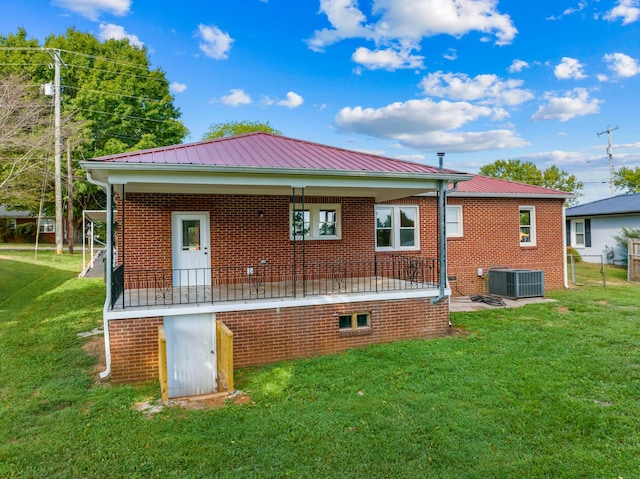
{"points": [[238, 235], [266, 336], [134, 349], [491, 239]]}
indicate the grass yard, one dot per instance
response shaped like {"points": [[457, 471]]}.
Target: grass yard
{"points": [[543, 391]]}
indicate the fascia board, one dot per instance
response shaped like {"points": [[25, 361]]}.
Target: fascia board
{"points": [[162, 173]]}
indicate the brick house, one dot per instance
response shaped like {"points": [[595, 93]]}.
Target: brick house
{"points": [[498, 224], [11, 220], [298, 248]]}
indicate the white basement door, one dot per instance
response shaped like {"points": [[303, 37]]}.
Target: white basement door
{"points": [[191, 354]]}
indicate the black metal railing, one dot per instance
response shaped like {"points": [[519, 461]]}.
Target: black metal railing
{"points": [[117, 284], [267, 281]]}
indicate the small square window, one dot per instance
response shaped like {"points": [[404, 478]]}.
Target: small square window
{"points": [[354, 321]]}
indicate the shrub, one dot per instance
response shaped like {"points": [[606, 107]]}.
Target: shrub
{"points": [[573, 252], [622, 240]]}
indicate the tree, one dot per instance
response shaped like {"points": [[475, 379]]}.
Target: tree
{"points": [[109, 91], [527, 172], [628, 179], [231, 128]]}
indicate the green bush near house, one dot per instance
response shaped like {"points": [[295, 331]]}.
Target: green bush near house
{"points": [[548, 391], [573, 252]]}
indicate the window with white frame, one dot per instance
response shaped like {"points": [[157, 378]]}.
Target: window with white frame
{"points": [[397, 228], [578, 234], [454, 221], [527, 226], [47, 225], [316, 221], [12, 223]]}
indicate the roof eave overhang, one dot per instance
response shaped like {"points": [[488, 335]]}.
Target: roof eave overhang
{"points": [[164, 178]]}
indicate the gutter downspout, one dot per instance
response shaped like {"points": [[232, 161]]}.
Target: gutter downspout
{"points": [[442, 230], [108, 264], [564, 244]]}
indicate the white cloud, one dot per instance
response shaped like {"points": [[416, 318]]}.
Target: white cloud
{"points": [[569, 11], [452, 54], [215, 43], [573, 104], [622, 65], [488, 88], [397, 27], [517, 66], [628, 10], [569, 68], [293, 100], [176, 87], [426, 124], [236, 97], [425, 18], [387, 59], [91, 9], [116, 32], [412, 20]]}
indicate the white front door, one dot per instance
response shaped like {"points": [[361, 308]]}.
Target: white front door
{"points": [[191, 354], [190, 243]]}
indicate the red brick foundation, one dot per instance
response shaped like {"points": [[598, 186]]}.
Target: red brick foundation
{"points": [[134, 349], [267, 336]]}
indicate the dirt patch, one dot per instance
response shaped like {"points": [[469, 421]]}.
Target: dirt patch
{"points": [[457, 331], [95, 348], [214, 401], [562, 309]]}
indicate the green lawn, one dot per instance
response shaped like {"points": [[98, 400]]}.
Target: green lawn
{"points": [[543, 391]]}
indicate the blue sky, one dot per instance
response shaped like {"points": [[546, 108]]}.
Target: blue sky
{"points": [[481, 80]]}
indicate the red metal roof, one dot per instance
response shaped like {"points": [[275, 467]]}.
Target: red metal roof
{"points": [[485, 185], [264, 150]]}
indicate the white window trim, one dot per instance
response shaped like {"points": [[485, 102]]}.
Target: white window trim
{"points": [[460, 232], [45, 223], [314, 214], [13, 223], [395, 229], [532, 210], [574, 234]]}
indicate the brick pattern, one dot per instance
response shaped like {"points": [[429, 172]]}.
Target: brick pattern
{"points": [[240, 237], [266, 336], [491, 239], [134, 349]]}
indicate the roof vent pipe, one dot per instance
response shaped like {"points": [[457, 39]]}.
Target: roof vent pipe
{"points": [[440, 159]]}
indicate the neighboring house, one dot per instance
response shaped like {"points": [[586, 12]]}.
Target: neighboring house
{"points": [[299, 248], [499, 224], [11, 220], [591, 227]]}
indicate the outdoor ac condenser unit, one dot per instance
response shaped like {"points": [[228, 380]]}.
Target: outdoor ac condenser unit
{"points": [[516, 283]]}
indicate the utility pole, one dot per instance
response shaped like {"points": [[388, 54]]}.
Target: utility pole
{"points": [[55, 54], [69, 198], [610, 153]]}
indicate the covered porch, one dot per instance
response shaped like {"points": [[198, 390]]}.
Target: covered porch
{"points": [[161, 288]]}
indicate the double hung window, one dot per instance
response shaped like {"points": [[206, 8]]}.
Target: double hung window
{"points": [[527, 226], [397, 228], [454, 221], [315, 221]]}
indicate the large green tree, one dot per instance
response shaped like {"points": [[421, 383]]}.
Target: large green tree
{"points": [[628, 179], [108, 88], [231, 128], [529, 173]]}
